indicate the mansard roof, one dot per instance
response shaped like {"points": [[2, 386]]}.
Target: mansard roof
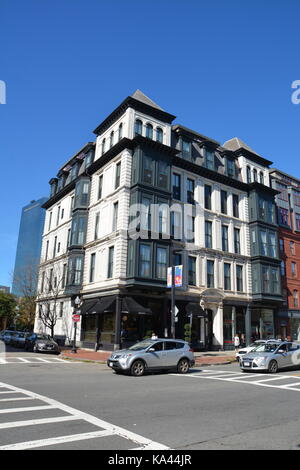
{"points": [[239, 147]]}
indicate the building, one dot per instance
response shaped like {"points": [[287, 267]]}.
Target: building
{"points": [[5, 289], [29, 248], [288, 207], [148, 194]]}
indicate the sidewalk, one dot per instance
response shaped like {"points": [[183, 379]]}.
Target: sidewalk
{"points": [[202, 358]]}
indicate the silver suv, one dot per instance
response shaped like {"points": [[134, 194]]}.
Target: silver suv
{"points": [[153, 354]]}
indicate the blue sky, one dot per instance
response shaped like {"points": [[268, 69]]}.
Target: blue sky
{"points": [[224, 68]]}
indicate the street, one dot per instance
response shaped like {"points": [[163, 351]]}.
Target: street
{"points": [[48, 403]]}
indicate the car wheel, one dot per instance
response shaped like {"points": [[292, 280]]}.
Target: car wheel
{"points": [[273, 367], [183, 366], [137, 369]]}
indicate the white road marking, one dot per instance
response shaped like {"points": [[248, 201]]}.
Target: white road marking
{"points": [[22, 359], [34, 360], [106, 427], [236, 377], [15, 399], [36, 422], [56, 440]]}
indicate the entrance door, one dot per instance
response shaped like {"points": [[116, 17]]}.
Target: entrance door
{"points": [[209, 330]]}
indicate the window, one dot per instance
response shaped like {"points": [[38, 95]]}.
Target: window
{"points": [[62, 213], [115, 217], [176, 186], [275, 280], [261, 177], [192, 271], [263, 243], [224, 202], [237, 244], [118, 175], [110, 269], [120, 131], [297, 222], [254, 175], [282, 268], [72, 205], [227, 276], [239, 278], [261, 208], [207, 196], [147, 170], [225, 238], [43, 282], [295, 298], [88, 158], [248, 174], [163, 218], [78, 230], [163, 175], [63, 281], [100, 187], [176, 227], [230, 168], [103, 147], [149, 131], [146, 213], [74, 171], [138, 127], [292, 248], [159, 135], [61, 309], [92, 267], [161, 263], [50, 220], [272, 245], [111, 139], [271, 212], [235, 205], [210, 273], [190, 187], [283, 216], [208, 234], [190, 234], [50, 286], [210, 159], [47, 249], [145, 260], [69, 238], [266, 279], [57, 216], [54, 247], [281, 245], [294, 268], [186, 148]]}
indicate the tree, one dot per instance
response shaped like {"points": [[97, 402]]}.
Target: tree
{"points": [[8, 305], [25, 280], [50, 290]]}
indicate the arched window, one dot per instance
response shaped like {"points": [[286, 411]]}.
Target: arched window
{"points": [[261, 177], [120, 131], [254, 175], [248, 174], [111, 143], [159, 135], [295, 296], [138, 127], [103, 146], [149, 131]]}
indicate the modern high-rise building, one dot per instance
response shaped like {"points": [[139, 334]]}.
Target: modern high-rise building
{"points": [[146, 195], [29, 247]]}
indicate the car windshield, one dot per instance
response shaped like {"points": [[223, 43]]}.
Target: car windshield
{"points": [[267, 347], [42, 337], [140, 346]]}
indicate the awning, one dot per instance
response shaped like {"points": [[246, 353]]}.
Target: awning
{"points": [[87, 305], [195, 309], [105, 304], [129, 305]]}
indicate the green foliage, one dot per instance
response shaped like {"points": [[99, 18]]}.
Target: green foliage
{"points": [[187, 332], [8, 305]]}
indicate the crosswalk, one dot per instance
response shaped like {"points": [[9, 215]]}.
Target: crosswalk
{"points": [[279, 381], [5, 360], [38, 412]]}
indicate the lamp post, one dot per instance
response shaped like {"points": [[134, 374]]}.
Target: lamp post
{"points": [[77, 303]]}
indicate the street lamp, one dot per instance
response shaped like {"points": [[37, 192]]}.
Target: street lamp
{"points": [[78, 303]]}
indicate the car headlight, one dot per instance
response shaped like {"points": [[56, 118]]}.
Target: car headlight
{"points": [[260, 361], [126, 356]]}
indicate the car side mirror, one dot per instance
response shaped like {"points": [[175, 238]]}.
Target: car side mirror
{"points": [[281, 351], [151, 350]]}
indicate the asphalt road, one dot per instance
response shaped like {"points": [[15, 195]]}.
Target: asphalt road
{"points": [[73, 405]]}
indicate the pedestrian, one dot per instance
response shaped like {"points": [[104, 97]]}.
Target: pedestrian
{"points": [[236, 341], [154, 335]]}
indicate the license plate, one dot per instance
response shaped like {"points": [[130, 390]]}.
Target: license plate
{"points": [[247, 364]]}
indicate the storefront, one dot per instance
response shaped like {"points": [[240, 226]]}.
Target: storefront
{"points": [[294, 325], [262, 323], [234, 322]]}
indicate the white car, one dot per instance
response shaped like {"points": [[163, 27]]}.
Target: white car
{"points": [[250, 348]]}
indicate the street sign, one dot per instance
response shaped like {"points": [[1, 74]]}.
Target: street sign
{"points": [[169, 277], [178, 276], [76, 318], [176, 311]]}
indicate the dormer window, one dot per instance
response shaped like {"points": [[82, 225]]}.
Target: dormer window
{"points": [[186, 147], [89, 158], [210, 159], [248, 175], [138, 127], [261, 177], [254, 175], [149, 131], [230, 168], [74, 171], [159, 135]]}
